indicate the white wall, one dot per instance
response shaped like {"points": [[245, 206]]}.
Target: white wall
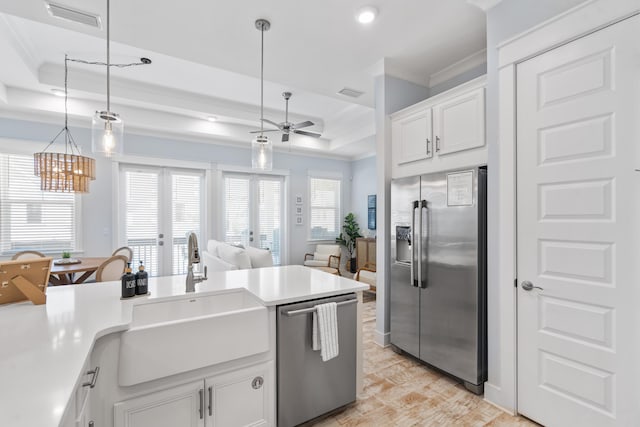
{"points": [[363, 183], [507, 19], [98, 207]]}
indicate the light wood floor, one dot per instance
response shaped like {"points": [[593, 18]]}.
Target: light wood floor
{"points": [[398, 391]]}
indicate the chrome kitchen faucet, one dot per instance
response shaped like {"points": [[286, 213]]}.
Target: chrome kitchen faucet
{"points": [[194, 258]]}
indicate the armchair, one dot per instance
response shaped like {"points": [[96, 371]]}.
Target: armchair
{"points": [[326, 258]]}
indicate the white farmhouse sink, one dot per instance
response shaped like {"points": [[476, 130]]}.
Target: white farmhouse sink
{"points": [[171, 337]]}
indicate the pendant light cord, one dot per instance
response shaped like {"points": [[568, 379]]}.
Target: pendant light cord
{"points": [[108, 60], [261, 79]]}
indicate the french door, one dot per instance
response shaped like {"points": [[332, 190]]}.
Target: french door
{"points": [[577, 148], [158, 207], [253, 212]]}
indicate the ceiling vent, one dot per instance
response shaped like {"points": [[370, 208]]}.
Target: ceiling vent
{"points": [[350, 92], [65, 12]]}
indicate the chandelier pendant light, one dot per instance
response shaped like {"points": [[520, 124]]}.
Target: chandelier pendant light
{"points": [[261, 146], [107, 127], [68, 172]]}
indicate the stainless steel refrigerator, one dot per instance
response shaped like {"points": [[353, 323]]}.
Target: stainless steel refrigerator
{"points": [[438, 271]]}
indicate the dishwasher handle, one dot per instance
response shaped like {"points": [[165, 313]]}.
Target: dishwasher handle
{"points": [[312, 309]]}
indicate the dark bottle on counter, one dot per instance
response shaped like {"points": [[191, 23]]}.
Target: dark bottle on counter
{"points": [[128, 283], [142, 280]]}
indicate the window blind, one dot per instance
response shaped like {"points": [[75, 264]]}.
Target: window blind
{"points": [[186, 216], [270, 193], [142, 206], [31, 218], [324, 208], [237, 214]]}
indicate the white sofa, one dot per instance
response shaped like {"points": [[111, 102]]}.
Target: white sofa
{"points": [[220, 256]]}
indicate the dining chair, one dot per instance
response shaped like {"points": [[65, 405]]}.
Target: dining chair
{"points": [[112, 269], [126, 251], [24, 255]]}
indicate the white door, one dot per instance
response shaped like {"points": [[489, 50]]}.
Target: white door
{"points": [[459, 123], [158, 206], [253, 212], [412, 138], [577, 136], [182, 406], [242, 398]]}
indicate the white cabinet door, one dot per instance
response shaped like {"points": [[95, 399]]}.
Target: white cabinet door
{"points": [[578, 209], [459, 123], [242, 398], [179, 406], [411, 138]]}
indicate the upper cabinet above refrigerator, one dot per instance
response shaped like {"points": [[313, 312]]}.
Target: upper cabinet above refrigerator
{"points": [[426, 135]]}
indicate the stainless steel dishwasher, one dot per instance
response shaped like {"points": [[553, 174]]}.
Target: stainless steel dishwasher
{"points": [[307, 386]]}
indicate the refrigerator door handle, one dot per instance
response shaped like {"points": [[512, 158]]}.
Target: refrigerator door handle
{"points": [[415, 260], [424, 242]]}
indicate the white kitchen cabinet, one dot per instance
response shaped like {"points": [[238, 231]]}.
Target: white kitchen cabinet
{"points": [[241, 398], [459, 123], [177, 406], [412, 137], [444, 132]]}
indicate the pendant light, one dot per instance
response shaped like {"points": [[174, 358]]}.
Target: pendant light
{"points": [[68, 172], [107, 127], [261, 146]]}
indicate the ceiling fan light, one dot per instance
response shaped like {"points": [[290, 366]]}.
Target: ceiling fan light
{"points": [[107, 134], [262, 153], [367, 14]]}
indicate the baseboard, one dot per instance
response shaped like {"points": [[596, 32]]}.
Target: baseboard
{"points": [[382, 339], [493, 395]]}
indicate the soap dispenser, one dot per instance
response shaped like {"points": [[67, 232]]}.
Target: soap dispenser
{"points": [[128, 283], [142, 280]]}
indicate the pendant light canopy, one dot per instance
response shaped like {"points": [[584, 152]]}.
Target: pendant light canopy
{"points": [[107, 127], [261, 146], [68, 172]]}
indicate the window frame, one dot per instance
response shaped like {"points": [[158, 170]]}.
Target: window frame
{"points": [[336, 176], [14, 147]]}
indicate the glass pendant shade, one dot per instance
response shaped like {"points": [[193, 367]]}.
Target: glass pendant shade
{"points": [[107, 134], [262, 153]]}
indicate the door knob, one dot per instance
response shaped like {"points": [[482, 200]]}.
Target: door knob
{"points": [[528, 286]]}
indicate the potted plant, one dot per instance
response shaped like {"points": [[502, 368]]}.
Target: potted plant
{"points": [[350, 232], [66, 255]]}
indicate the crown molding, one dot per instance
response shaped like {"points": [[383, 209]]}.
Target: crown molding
{"points": [[485, 5], [457, 68]]}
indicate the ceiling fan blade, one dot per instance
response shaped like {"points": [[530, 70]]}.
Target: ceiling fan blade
{"points": [[265, 130], [302, 125], [311, 134], [271, 123], [285, 137]]}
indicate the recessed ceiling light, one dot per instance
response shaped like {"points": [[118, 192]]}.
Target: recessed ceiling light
{"points": [[212, 118], [366, 15], [57, 92]]}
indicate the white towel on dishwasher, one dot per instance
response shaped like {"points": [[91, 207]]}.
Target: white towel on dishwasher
{"points": [[325, 330]]}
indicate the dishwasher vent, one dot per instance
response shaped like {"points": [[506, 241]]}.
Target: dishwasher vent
{"points": [[65, 12]]}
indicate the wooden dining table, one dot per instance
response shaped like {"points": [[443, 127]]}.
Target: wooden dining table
{"points": [[64, 274]]}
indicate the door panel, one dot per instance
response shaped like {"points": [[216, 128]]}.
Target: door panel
{"points": [[177, 406], [413, 135], [405, 301], [577, 109], [253, 208], [459, 123]]}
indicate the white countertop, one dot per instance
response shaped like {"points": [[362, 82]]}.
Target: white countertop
{"points": [[44, 348]]}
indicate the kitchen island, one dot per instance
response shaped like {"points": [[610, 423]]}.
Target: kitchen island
{"points": [[46, 349]]}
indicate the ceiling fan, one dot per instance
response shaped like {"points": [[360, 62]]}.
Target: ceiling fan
{"points": [[287, 127]]}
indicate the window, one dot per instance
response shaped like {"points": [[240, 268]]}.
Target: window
{"points": [[324, 208], [31, 218]]}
